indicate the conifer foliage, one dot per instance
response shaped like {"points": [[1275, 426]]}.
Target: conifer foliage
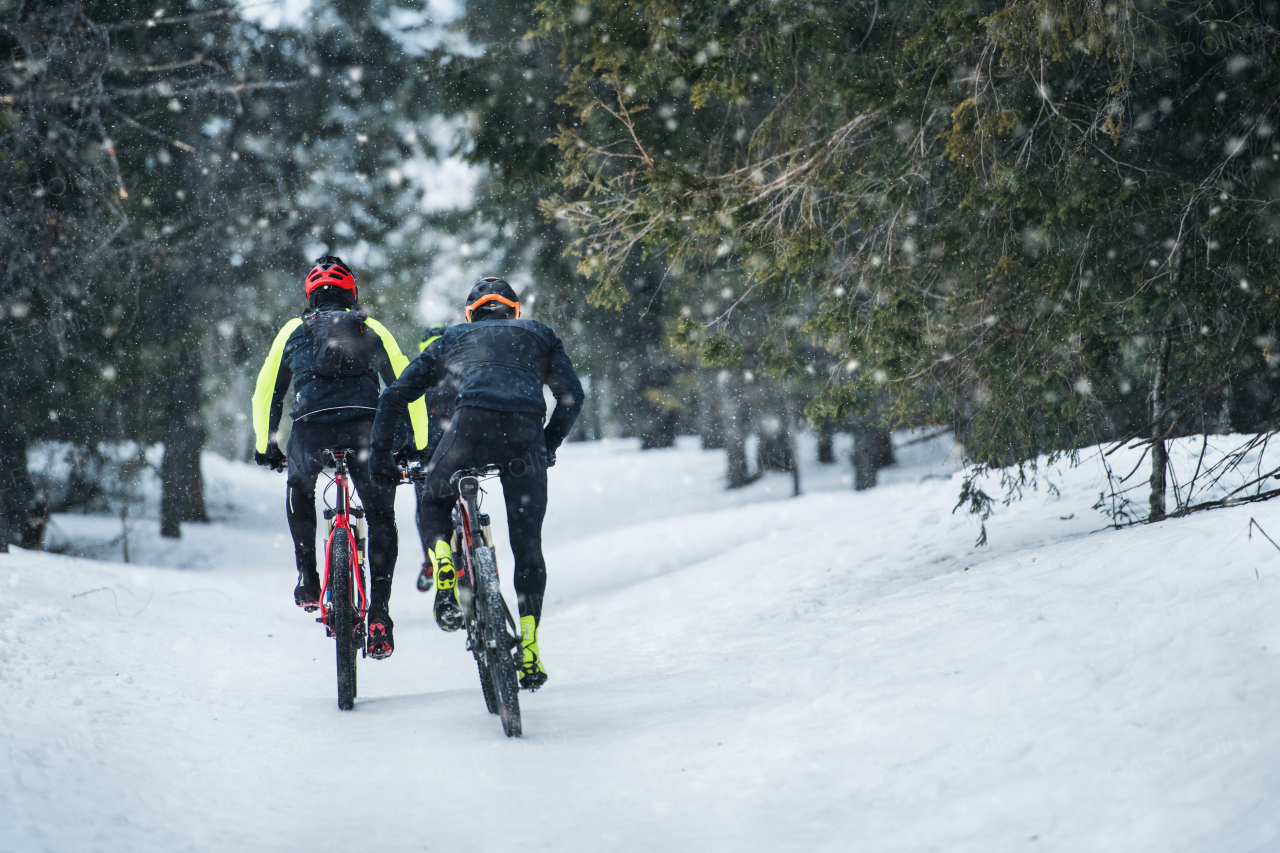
{"points": [[166, 172], [103, 226], [1048, 223]]}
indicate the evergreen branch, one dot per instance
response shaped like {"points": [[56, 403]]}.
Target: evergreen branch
{"points": [[176, 143], [111, 151], [154, 91], [1226, 502], [183, 19], [624, 116]]}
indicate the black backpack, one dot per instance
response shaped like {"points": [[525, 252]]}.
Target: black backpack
{"points": [[339, 344]]}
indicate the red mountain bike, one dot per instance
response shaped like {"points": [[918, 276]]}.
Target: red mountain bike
{"points": [[344, 597]]}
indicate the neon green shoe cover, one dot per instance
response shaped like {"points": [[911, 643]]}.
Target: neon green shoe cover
{"points": [[447, 610], [532, 675]]}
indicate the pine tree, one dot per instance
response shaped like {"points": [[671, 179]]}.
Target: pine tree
{"points": [[1005, 216], [510, 97], [113, 128], [199, 90]]}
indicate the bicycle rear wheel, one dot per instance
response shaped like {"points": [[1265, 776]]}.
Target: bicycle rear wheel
{"points": [[496, 643], [344, 618]]}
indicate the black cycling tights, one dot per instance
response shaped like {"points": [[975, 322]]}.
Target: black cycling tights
{"points": [[513, 440], [305, 462]]}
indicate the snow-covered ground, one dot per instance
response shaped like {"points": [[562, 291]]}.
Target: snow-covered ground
{"points": [[729, 671]]}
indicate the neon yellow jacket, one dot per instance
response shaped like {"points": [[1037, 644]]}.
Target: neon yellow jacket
{"points": [[276, 374]]}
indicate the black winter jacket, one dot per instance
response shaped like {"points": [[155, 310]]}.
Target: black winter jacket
{"points": [[498, 364], [327, 400]]}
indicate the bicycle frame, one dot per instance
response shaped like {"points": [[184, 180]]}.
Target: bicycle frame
{"points": [[473, 522], [467, 518], [468, 508], [340, 516]]}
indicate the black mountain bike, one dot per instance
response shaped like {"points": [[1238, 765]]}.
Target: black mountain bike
{"points": [[344, 598], [492, 636]]}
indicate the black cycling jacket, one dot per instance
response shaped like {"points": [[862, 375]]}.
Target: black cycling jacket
{"points": [[498, 364], [323, 400]]}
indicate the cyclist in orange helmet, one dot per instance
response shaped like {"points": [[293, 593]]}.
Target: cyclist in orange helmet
{"points": [[501, 361]]}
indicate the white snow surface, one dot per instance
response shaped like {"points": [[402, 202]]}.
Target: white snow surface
{"points": [[729, 671]]}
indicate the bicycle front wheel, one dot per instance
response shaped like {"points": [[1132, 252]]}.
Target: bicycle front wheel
{"points": [[343, 618], [486, 682], [496, 643]]}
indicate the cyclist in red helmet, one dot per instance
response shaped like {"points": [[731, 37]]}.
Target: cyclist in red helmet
{"points": [[338, 359]]}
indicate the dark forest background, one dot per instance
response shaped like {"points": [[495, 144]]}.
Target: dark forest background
{"points": [[1043, 225]]}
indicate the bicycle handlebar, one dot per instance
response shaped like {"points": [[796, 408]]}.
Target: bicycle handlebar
{"points": [[417, 471], [414, 470], [336, 456]]}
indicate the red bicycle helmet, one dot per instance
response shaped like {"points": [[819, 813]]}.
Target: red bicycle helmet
{"points": [[330, 271]]}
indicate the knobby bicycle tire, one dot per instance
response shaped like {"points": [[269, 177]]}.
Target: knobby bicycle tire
{"points": [[466, 597], [344, 618], [495, 643], [486, 683]]}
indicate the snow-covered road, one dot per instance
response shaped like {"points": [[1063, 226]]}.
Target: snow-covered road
{"points": [[729, 671]]}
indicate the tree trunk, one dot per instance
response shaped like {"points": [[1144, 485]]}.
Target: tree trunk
{"points": [[662, 433], [794, 450], [710, 424], [1159, 451], [872, 450], [884, 449], [9, 500], [774, 451], [17, 496], [864, 458], [656, 416], [4, 516], [733, 418], [182, 487], [826, 444]]}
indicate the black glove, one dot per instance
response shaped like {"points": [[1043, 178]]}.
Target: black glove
{"points": [[550, 455], [382, 468], [273, 458]]}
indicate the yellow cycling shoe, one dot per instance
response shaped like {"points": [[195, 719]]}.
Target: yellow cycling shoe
{"points": [[448, 611], [532, 675]]}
